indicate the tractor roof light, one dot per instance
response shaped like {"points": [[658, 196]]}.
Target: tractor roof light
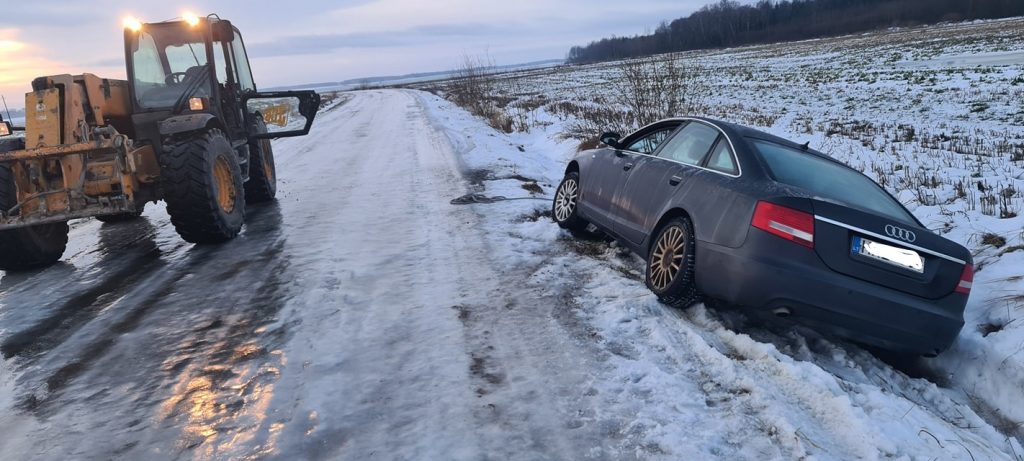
{"points": [[190, 19], [132, 24]]}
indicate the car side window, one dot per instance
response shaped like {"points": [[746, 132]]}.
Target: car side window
{"points": [[691, 145], [721, 158], [649, 143]]}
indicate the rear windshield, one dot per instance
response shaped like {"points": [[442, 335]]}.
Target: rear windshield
{"points": [[829, 180]]}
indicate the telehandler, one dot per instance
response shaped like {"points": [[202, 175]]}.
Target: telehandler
{"points": [[187, 127]]}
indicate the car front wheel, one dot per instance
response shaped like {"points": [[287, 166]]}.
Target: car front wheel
{"points": [[670, 264], [565, 208]]}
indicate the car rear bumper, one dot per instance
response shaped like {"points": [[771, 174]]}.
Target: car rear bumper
{"points": [[770, 273]]}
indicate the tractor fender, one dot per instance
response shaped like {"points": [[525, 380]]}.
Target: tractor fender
{"points": [[187, 123]]}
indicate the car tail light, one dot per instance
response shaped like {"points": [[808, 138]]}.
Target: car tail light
{"points": [[966, 280], [793, 225]]}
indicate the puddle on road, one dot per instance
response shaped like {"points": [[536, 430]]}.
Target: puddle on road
{"points": [[186, 345]]}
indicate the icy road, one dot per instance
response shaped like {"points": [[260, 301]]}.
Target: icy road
{"points": [[364, 317]]}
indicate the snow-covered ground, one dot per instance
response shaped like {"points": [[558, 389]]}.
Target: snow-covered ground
{"points": [[704, 384], [363, 316], [934, 114]]}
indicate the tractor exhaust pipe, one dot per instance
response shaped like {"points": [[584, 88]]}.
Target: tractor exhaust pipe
{"points": [[782, 312]]}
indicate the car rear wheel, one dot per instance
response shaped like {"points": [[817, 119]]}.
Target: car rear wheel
{"points": [[565, 207], [670, 264]]}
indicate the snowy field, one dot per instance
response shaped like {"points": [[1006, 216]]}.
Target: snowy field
{"points": [[933, 114], [363, 316]]}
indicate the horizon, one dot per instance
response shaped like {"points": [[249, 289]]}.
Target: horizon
{"points": [[322, 41]]}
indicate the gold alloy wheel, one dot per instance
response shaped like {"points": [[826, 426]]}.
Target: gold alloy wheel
{"points": [[565, 200], [226, 192], [268, 160], [667, 258]]}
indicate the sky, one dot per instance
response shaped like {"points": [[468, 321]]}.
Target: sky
{"points": [[306, 41]]}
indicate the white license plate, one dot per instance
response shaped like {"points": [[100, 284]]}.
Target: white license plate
{"points": [[896, 256]]}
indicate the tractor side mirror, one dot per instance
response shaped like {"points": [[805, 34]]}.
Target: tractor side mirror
{"points": [[611, 139], [223, 31], [284, 113], [6, 129]]}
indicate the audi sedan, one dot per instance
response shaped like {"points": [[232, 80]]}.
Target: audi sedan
{"points": [[728, 213]]}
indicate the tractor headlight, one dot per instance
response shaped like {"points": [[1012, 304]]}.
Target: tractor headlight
{"points": [[5, 129], [196, 104], [132, 24], [191, 19]]}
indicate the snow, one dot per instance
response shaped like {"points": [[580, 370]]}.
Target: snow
{"points": [[697, 385], [363, 316], [931, 113]]}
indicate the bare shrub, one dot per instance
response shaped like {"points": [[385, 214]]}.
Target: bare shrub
{"points": [[472, 85], [646, 90], [476, 87]]}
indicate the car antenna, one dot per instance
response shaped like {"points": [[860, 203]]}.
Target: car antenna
{"points": [[806, 145]]}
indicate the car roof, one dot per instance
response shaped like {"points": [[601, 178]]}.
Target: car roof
{"points": [[741, 131]]}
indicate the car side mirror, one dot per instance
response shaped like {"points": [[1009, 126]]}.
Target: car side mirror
{"points": [[611, 139], [6, 129]]}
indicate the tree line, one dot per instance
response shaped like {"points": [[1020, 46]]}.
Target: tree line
{"points": [[728, 23]]}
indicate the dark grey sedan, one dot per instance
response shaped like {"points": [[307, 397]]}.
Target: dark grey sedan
{"points": [[737, 215]]}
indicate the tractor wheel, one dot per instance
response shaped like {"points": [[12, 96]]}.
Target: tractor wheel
{"points": [[262, 184], [202, 185], [27, 247], [122, 217]]}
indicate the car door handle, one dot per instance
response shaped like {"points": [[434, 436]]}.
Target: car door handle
{"points": [[675, 180], [627, 167]]}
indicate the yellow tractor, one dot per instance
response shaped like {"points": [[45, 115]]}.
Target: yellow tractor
{"points": [[187, 127]]}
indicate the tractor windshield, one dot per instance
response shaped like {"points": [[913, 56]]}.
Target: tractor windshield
{"points": [[167, 62]]}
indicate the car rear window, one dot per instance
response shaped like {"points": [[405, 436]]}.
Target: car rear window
{"points": [[828, 180]]}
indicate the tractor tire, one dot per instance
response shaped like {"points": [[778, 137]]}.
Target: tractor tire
{"points": [[202, 185], [27, 247], [262, 183]]}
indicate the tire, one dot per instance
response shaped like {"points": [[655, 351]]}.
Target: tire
{"points": [[564, 207], [670, 264], [202, 185], [262, 184], [27, 247]]}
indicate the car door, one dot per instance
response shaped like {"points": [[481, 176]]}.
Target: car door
{"points": [[612, 166], [283, 113], [643, 195]]}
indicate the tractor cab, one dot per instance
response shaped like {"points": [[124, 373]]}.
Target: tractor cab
{"points": [[193, 74]]}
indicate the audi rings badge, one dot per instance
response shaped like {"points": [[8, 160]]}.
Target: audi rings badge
{"points": [[900, 233]]}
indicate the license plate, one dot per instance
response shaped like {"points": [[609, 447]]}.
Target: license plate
{"points": [[896, 256]]}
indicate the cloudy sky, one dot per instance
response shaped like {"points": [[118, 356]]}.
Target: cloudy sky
{"points": [[303, 41]]}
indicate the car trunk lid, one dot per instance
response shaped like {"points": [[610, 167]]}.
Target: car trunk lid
{"points": [[887, 252]]}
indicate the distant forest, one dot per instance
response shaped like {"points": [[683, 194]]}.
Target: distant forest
{"points": [[729, 23]]}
